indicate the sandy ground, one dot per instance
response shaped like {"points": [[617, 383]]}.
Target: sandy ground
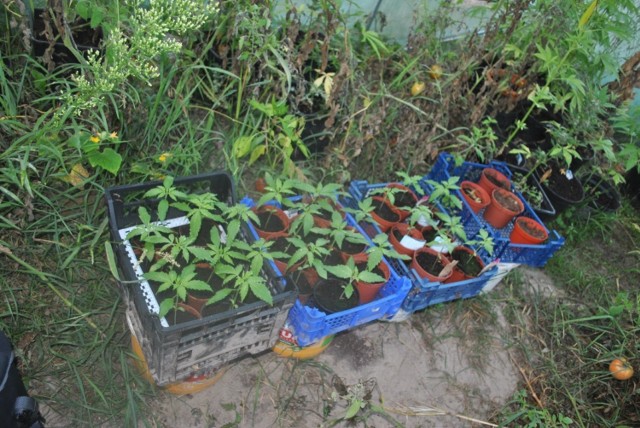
{"points": [[451, 366], [461, 367]]}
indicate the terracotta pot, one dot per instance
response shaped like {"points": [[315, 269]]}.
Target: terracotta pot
{"points": [[369, 291], [497, 214], [491, 179], [193, 312], [358, 256], [411, 196], [528, 231], [424, 273], [273, 214], [404, 230], [458, 273], [480, 199], [385, 224]]}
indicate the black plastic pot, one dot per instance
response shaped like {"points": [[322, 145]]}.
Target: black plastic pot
{"points": [[600, 193], [546, 211], [564, 190]]}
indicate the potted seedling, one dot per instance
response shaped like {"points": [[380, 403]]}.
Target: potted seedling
{"points": [[380, 209], [367, 277], [444, 192], [273, 221], [345, 238], [173, 286], [469, 263]]}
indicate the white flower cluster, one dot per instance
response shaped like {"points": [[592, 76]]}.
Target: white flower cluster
{"points": [[156, 24]]}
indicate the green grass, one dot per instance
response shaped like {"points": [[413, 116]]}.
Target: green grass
{"points": [[566, 342]]}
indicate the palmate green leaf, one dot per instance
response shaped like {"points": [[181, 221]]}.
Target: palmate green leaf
{"points": [[232, 230], [195, 224], [158, 276], [297, 256], [340, 271], [165, 306], [163, 208], [201, 253], [375, 257], [197, 284], [370, 277], [243, 289], [256, 264], [261, 291], [181, 292], [320, 269], [219, 295]]}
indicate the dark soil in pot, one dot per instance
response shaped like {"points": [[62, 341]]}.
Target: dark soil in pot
{"points": [[536, 233], [270, 222], [404, 200], [564, 188], [334, 258], [430, 263], [507, 202], [384, 211], [497, 182], [353, 248], [429, 234], [602, 195], [363, 266], [328, 296], [281, 244], [467, 262]]}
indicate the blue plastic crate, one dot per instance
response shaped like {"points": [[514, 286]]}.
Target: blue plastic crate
{"points": [[531, 255], [423, 292], [310, 324]]}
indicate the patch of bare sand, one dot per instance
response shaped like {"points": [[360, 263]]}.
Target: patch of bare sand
{"points": [[404, 366]]}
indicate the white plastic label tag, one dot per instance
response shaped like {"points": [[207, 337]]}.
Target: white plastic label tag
{"points": [[411, 243]]}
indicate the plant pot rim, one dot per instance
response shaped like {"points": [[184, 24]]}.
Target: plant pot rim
{"points": [[508, 194]]}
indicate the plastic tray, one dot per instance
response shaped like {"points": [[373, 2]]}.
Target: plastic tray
{"points": [[423, 292], [198, 347], [310, 324], [531, 255]]}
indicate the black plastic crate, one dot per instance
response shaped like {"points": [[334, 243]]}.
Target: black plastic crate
{"points": [[201, 346]]}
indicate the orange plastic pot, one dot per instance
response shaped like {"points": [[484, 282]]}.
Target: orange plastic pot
{"points": [[368, 291], [280, 219], [504, 206], [528, 231], [475, 195], [403, 229], [431, 273], [491, 179], [404, 211], [386, 223], [458, 274]]}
